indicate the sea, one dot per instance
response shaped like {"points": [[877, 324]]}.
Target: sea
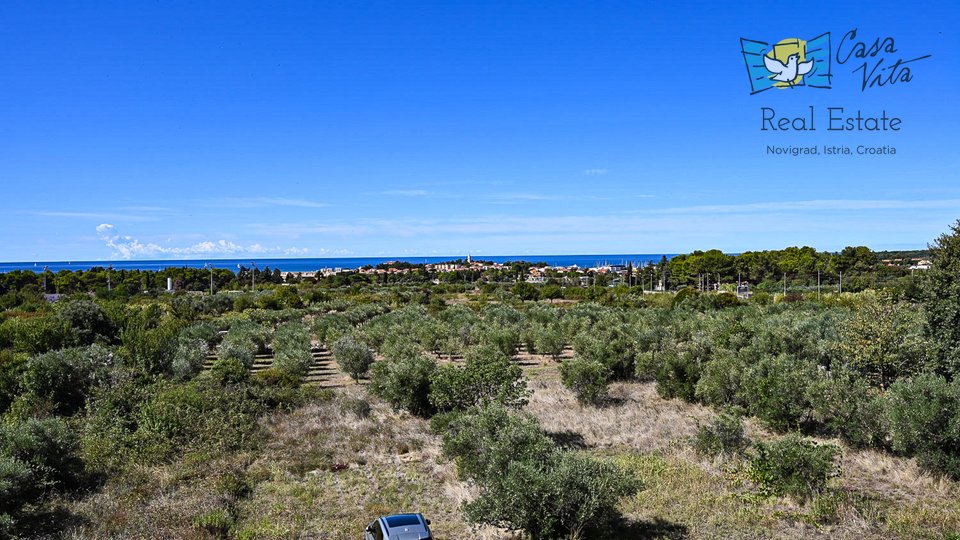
{"points": [[345, 263]]}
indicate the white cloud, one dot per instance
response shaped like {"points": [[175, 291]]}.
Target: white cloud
{"points": [[596, 172], [127, 247]]}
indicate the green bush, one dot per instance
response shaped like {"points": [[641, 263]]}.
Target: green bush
{"points": [[484, 440], [723, 435], [588, 379], [238, 348], [548, 339], [680, 372], [229, 371], [291, 349], [188, 357], [720, 382], [775, 390], [883, 340], [924, 416], [610, 344], [488, 376], [354, 357], [37, 335], [37, 458], [845, 404], [526, 483], [63, 378], [404, 383], [11, 367], [88, 321], [330, 328], [562, 495], [130, 423], [794, 466]]}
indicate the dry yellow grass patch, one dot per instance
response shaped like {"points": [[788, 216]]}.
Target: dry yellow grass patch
{"points": [[327, 472], [637, 418]]}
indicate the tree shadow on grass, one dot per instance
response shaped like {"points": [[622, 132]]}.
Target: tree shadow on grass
{"points": [[611, 402], [568, 440], [48, 522], [641, 530]]}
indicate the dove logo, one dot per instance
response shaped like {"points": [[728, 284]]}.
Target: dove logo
{"points": [[789, 63]]}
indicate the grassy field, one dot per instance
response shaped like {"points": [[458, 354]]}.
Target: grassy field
{"points": [[324, 470]]}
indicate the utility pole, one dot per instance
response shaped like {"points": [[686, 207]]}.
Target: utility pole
{"points": [[210, 266], [784, 283], [45, 269], [109, 269], [841, 281], [818, 285], [253, 277]]}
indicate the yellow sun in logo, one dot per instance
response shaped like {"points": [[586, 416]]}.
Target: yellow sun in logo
{"points": [[782, 51]]}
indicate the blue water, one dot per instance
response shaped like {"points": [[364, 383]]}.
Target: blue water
{"points": [[308, 265]]}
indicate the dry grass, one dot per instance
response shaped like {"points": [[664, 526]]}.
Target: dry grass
{"points": [[160, 502], [327, 473], [637, 417]]}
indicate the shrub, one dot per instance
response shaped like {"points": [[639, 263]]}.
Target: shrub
{"points": [[683, 295], [924, 416], [526, 483], [188, 357], [197, 416], [882, 340], [505, 338], [483, 441], [37, 457], [720, 382], [488, 376], [149, 338], [548, 339], [563, 496], [38, 335], [774, 390], [723, 435], [88, 321], [610, 345], [400, 347], [794, 466], [225, 371], [353, 356], [238, 348], [588, 379], [11, 367], [680, 372], [404, 383], [330, 328], [291, 347], [63, 378], [844, 403], [652, 342]]}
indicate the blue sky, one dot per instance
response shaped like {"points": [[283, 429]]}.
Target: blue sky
{"points": [[235, 129]]}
